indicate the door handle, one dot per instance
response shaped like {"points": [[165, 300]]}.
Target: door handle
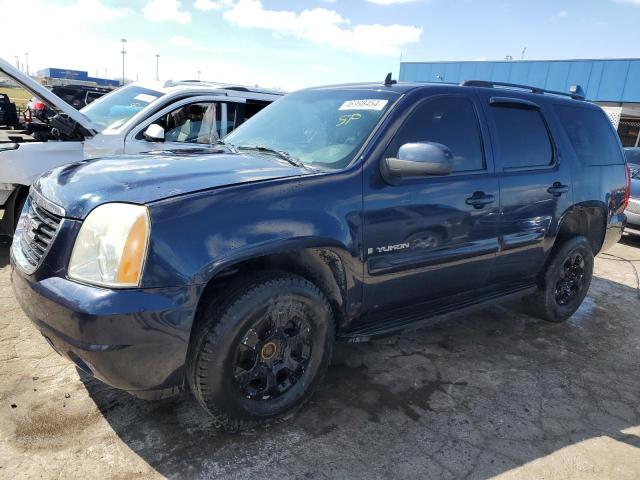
{"points": [[479, 200], [557, 189]]}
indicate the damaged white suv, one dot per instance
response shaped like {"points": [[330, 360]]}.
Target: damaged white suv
{"points": [[139, 117]]}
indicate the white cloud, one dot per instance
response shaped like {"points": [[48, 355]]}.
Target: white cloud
{"points": [[324, 27], [206, 5], [389, 2], [165, 11], [75, 25]]}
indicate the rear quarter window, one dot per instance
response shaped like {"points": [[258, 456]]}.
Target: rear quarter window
{"points": [[591, 134]]}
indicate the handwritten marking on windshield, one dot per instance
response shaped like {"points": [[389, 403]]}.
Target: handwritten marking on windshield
{"points": [[345, 119]]}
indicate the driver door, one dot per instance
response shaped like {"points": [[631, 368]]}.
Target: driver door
{"points": [[431, 241], [190, 123]]}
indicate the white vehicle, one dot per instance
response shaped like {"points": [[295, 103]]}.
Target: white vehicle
{"points": [[139, 117]]}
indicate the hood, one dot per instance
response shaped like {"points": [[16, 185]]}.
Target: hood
{"points": [[79, 187], [53, 101]]}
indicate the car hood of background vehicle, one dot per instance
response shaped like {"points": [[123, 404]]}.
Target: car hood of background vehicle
{"points": [[80, 187]]}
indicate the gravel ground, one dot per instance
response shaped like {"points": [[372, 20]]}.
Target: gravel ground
{"points": [[495, 393]]}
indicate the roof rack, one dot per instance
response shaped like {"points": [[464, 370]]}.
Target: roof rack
{"points": [[226, 86], [489, 84]]}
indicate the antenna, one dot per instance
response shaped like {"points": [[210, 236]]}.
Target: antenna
{"points": [[388, 81]]}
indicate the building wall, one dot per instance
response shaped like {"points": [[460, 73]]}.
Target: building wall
{"points": [[77, 75], [601, 80]]}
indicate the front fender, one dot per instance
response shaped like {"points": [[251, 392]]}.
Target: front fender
{"points": [[196, 236]]}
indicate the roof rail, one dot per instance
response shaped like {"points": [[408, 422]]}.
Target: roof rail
{"points": [[490, 84]]}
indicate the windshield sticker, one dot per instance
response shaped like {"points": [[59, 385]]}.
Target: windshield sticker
{"points": [[143, 97], [364, 104], [345, 119]]}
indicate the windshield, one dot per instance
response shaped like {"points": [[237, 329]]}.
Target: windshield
{"points": [[322, 128], [117, 107]]}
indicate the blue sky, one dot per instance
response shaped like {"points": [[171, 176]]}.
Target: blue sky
{"points": [[292, 44]]}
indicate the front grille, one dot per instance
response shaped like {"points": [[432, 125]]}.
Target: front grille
{"points": [[38, 231], [634, 206]]}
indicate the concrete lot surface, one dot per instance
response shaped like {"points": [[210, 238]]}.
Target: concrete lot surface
{"points": [[493, 394]]}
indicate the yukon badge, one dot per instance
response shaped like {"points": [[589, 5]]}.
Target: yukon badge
{"points": [[388, 248]]}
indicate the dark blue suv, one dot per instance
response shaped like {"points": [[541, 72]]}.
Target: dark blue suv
{"points": [[340, 212]]}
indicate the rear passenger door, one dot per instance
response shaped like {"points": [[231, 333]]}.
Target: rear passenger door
{"points": [[535, 186]]}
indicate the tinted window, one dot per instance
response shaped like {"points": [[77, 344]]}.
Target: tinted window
{"points": [[591, 135], [522, 138], [450, 121]]}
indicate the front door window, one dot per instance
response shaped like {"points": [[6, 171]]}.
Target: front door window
{"points": [[193, 123]]}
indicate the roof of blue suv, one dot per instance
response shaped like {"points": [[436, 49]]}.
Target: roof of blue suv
{"points": [[405, 87]]}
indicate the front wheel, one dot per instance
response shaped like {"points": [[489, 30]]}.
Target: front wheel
{"points": [[564, 282], [257, 355]]}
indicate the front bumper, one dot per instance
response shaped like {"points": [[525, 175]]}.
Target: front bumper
{"points": [[133, 339]]}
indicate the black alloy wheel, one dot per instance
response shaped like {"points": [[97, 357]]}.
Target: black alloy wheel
{"points": [[571, 278], [274, 353]]}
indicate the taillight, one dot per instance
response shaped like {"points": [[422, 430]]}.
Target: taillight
{"points": [[627, 191], [38, 105]]}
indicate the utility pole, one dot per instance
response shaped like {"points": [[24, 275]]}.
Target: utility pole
{"points": [[26, 58], [157, 61], [124, 40]]}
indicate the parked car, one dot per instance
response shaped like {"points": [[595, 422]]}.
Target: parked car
{"points": [[182, 115], [340, 212], [8, 112], [633, 210], [78, 96]]}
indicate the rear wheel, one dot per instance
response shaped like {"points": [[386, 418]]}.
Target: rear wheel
{"points": [[258, 355], [565, 281]]}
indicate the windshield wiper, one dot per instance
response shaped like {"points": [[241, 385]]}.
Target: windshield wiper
{"points": [[279, 153]]}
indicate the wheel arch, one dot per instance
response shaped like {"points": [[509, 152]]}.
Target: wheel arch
{"points": [[324, 265], [588, 219]]}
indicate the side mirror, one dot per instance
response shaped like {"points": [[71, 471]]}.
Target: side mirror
{"points": [[417, 160], [154, 133]]}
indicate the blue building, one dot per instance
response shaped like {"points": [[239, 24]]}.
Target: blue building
{"points": [[613, 84], [76, 76]]}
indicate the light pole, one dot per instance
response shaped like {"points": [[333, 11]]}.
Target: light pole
{"points": [[17, 62], [157, 61], [124, 40], [199, 72], [26, 58]]}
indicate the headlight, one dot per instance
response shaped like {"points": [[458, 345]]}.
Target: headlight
{"points": [[112, 245]]}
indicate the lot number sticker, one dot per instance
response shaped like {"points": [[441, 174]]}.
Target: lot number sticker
{"points": [[364, 104]]}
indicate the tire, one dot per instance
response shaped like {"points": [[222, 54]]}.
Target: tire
{"points": [[257, 355], [565, 281]]}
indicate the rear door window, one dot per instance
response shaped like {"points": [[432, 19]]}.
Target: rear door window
{"points": [[522, 138], [591, 135]]}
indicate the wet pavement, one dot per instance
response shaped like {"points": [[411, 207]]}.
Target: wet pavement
{"points": [[493, 393]]}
